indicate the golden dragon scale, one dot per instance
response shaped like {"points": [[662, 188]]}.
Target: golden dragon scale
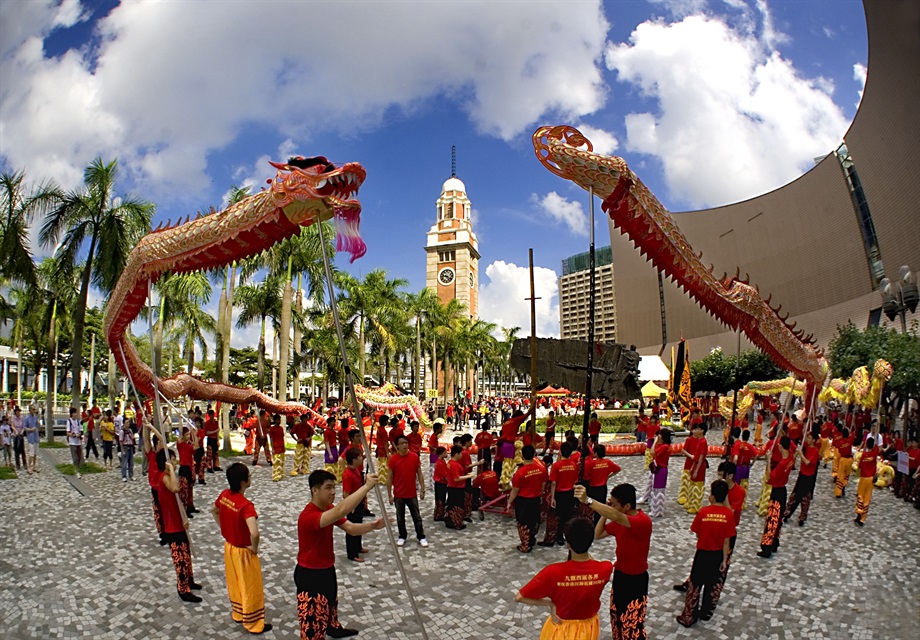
{"points": [[638, 214], [304, 191]]}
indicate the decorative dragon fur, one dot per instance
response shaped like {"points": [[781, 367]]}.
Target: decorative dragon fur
{"points": [[304, 191], [638, 214]]}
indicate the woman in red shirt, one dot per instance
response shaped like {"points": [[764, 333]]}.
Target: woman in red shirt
{"points": [[659, 470], [693, 479], [804, 488], [175, 525], [314, 574], [186, 449]]}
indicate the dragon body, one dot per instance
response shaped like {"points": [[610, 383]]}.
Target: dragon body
{"points": [[303, 192], [638, 214]]}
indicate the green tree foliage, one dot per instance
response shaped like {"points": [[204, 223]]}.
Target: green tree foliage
{"points": [[716, 372], [852, 348]]}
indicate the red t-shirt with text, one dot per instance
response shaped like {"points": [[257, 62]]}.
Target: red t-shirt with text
{"points": [[632, 543], [314, 544], [529, 480], [574, 587], [713, 525], [233, 511]]}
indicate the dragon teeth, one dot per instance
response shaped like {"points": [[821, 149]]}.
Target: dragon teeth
{"points": [[321, 184]]}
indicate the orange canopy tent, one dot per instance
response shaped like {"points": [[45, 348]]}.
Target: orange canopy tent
{"points": [[552, 391]]}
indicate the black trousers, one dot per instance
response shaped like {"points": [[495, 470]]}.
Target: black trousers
{"points": [[353, 543], [91, 445], [527, 514], [598, 494], [454, 517], [628, 603], [565, 509], [412, 503], [317, 601], [19, 450], [106, 449], [704, 576]]}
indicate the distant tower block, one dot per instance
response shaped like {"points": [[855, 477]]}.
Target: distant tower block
{"points": [[452, 268]]}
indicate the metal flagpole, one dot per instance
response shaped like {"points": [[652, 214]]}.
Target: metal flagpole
{"points": [[590, 362], [349, 381]]}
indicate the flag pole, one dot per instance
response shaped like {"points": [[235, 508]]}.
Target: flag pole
{"points": [[590, 360]]}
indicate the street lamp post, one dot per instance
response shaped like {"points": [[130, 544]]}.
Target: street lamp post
{"points": [[899, 297]]}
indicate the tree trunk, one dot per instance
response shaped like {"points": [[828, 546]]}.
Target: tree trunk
{"points": [[260, 367], [434, 367], [416, 369], [225, 355], [298, 338], [361, 350], [19, 372], [112, 381], [220, 338], [190, 353], [92, 369], [51, 366], [284, 344], [157, 352], [79, 323]]}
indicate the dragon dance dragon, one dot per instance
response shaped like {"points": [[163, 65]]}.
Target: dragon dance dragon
{"points": [[638, 214], [304, 191]]}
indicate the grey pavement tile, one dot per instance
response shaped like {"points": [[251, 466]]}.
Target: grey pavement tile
{"points": [[78, 566]]}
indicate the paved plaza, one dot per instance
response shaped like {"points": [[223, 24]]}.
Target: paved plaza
{"points": [[80, 559]]}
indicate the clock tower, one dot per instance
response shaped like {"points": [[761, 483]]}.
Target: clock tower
{"points": [[453, 250]]}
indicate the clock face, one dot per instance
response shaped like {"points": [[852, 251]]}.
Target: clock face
{"points": [[446, 275]]}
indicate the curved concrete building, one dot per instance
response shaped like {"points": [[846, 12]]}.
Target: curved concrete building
{"points": [[821, 243]]}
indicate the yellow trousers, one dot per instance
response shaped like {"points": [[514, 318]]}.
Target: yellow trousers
{"points": [[301, 460], [694, 496], [571, 629], [844, 467], [278, 466], [683, 490], [244, 586], [864, 497], [744, 485]]}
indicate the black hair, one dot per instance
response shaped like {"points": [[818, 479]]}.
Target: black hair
{"points": [[548, 459], [383, 420], [736, 432], [785, 442], [719, 490], [528, 452], [319, 477], [440, 450], [665, 435], [455, 449], [161, 460], [870, 442], [745, 435], [466, 438], [565, 449], [625, 494], [728, 468], [352, 454], [845, 433], [400, 438], [579, 533], [600, 451], [497, 466], [237, 474]]}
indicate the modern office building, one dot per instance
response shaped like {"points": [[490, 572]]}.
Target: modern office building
{"points": [[575, 299], [820, 244]]}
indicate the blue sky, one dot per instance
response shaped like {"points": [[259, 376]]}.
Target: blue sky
{"points": [[709, 102]]}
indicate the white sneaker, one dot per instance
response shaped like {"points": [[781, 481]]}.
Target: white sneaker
{"points": [[78, 474], [423, 542], [124, 479], [400, 542]]}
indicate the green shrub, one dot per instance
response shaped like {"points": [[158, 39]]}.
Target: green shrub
{"points": [[6, 473], [615, 424], [57, 444], [86, 467]]}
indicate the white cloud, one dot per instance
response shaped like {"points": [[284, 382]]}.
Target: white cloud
{"points": [[504, 299], [681, 8], [603, 141], [162, 105], [735, 119], [572, 214], [859, 74]]}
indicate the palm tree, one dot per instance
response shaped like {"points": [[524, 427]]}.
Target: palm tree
{"points": [[419, 305], [182, 297], [367, 306], [20, 206], [112, 225], [259, 302]]}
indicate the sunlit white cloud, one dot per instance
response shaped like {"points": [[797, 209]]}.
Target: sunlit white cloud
{"points": [[503, 300], [734, 117], [560, 209], [163, 107], [859, 74], [603, 141]]}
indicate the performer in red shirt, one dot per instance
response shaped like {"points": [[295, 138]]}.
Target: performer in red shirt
{"points": [[456, 489], [415, 438], [598, 470], [808, 455], [844, 446], [868, 465], [594, 427], [714, 527], [743, 454], [261, 438], [186, 450], [276, 438], [314, 575], [405, 469], [509, 433], [633, 532], [571, 589], [526, 489], [913, 463], [152, 444], [779, 476], [549, 437], [212, 432], [486, 485], [382, 449], [642, 424], [484, 443], [440, 482], [735, 501], [563, 475], [352, 480], [695, 449], [239, 526], [302, 432], [174, 527], [796, 429], [433, 447]]}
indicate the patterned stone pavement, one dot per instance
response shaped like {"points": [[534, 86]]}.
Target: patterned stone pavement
{"points": [[89, 566]]}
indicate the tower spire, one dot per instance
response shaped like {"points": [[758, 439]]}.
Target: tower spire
{"points": [[453, 161]]}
